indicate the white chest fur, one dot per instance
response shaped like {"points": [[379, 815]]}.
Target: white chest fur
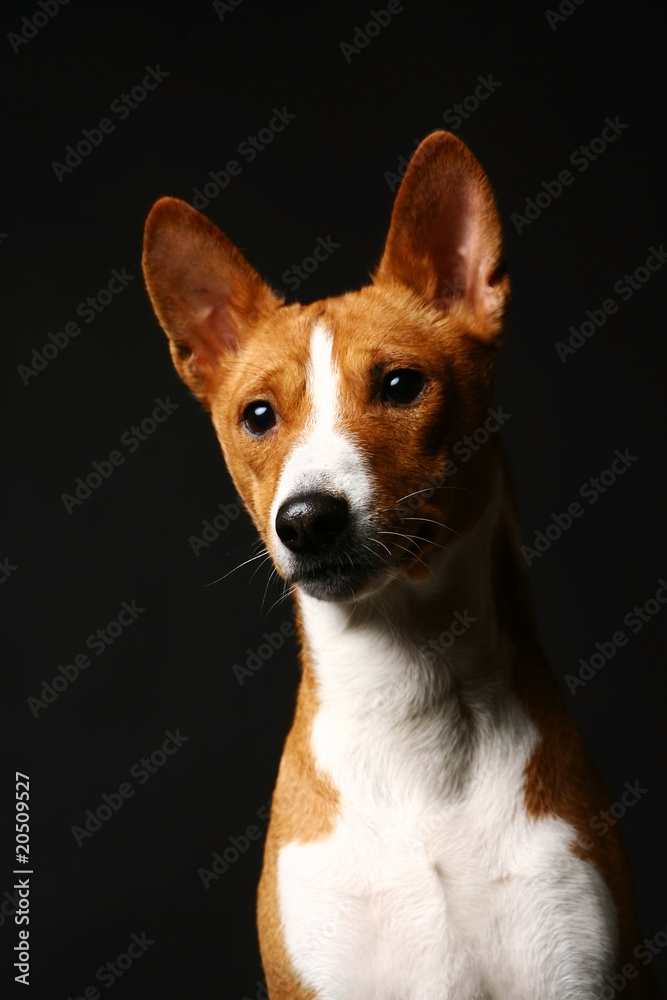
{"points": [[435, 882]]}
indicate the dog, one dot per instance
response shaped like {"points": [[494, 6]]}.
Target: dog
{"points": [[430, 831]]}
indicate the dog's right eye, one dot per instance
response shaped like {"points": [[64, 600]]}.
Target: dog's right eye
{"points": [[259, 417], [402, 386]]}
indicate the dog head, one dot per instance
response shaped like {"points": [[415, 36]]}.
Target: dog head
{"points": [[339, 420]]}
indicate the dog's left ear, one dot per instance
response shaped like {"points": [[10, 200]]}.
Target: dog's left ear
{"points": [[445, 238], [206, 295]]}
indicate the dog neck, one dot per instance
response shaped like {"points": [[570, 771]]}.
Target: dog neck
{"points": [[413, 645]]}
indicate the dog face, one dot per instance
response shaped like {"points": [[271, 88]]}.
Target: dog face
{"points": [[338, 419]]}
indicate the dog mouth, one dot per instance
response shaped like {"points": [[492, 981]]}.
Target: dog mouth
{"points": [[345, 575], [337, 579]]}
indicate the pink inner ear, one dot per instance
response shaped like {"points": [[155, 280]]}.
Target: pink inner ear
{"points": [[453, 240], [206, 295], [212, 321], [445, 240], [455, 250]]}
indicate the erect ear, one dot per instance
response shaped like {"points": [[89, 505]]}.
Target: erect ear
{"points": [[205, 294], [445, 238]]}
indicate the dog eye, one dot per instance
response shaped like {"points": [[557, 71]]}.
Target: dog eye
{"points": [[402, 386], [259, 417]]}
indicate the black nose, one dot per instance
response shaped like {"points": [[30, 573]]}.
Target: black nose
{"points": [[310, 522]]}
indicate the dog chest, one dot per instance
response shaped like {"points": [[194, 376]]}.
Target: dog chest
{"points": [[431, 887]]}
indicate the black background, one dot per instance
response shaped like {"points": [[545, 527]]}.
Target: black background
{"points": [[323, 175]]}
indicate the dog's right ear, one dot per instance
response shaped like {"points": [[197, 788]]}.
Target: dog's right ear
{"points": [[206, 295], [445, 239]]}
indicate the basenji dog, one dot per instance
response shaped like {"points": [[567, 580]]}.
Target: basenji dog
{"points": [[430, 833]]}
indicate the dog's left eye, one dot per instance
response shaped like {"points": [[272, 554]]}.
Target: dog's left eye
{"points": [[259, 417], [402, 386]]}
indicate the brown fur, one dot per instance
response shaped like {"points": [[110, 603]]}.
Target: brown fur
{"points": [[304, 808], [437, 303], [560, 778]]}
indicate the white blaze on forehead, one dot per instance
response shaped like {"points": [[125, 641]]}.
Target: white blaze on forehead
{"points": [[323, 376], [324, 459]]}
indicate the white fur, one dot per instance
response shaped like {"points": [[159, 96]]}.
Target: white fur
{"points": [[324, 458], [435, 883]]}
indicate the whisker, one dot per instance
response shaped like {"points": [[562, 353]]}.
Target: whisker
{"points": [[369, 549], [426, 489], [287, 592], [407, 496], [428, 520], [406, 548], [420, 541], [399, 534], [416, 540], [379, 543], [267, 558], [440, 524], [272, 574], [240, 566]]}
